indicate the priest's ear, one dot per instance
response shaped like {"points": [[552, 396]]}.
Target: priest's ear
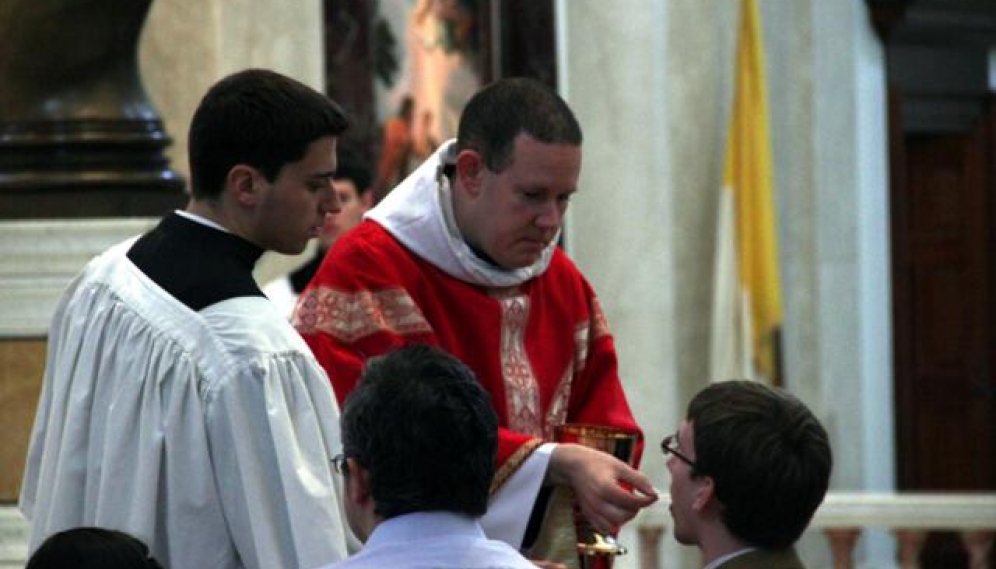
{"points": [[244, 183], [470, 171]]}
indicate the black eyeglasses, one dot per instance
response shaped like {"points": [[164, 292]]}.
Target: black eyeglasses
{"points": [[667, 448], [339, 464]]}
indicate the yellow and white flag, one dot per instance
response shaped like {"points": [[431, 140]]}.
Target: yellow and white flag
{"points": [[747, 308]]}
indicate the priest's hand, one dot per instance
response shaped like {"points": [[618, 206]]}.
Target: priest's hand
{"points": [[600, 483]]}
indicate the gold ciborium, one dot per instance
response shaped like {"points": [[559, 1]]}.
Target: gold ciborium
{"points": [[596, 550]]}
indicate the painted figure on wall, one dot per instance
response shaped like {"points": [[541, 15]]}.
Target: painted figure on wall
{"points": [[442, 55], [440, 62], [396, 149]]}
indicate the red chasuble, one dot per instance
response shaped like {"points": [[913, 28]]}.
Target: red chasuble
{"points": [[542, 349]]}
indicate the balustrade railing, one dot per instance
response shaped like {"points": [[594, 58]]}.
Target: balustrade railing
{"points": [[910, 516]]}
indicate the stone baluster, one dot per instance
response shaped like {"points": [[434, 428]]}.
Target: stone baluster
{"points": [[842, 542], [650, 546], [910, 545], [979, 545]]}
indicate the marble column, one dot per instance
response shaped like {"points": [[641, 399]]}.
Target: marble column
{"points": [[620, 226]]}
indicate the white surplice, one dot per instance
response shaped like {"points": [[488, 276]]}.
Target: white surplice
{"points": [[205, 434]]}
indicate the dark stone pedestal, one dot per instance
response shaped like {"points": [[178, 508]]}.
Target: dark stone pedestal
{"points": [[78, 135]]}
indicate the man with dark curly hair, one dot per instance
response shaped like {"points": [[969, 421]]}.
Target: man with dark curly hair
{"points": [[419, 437]]}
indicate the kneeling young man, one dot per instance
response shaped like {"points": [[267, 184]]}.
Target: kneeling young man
{"points": [[749, 466]]}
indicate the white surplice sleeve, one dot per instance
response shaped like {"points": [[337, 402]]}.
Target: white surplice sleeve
{"points": [[272, 433], [207, 435]]}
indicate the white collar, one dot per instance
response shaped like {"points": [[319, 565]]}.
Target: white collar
{"points": [[724, 558], [200, 219], [419, 526]]}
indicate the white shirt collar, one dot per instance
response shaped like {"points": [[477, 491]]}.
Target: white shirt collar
{"points": [[199, 219], [723, 559], [418, 526]]}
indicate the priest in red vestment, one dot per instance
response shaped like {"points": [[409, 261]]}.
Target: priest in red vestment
{"points": [[463, 255]]}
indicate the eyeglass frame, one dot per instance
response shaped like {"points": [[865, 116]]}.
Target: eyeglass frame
{"points": [[339, 464], [667, 449]]}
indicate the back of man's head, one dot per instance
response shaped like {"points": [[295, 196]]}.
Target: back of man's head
{"points": [[423, 427], [498, 113], [769, 458], [259, 118], [92, 548]]}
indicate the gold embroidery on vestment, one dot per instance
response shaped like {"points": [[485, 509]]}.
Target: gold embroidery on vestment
{"points": [[522, 398], [512, 463], [349, 316]]}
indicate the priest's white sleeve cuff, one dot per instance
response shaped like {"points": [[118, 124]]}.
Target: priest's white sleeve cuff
{"points": [[510, 507]]}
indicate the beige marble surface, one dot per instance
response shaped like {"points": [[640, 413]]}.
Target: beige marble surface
{"points": [[13, 538], [187, 46], [22, 365], [38, 259]]}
